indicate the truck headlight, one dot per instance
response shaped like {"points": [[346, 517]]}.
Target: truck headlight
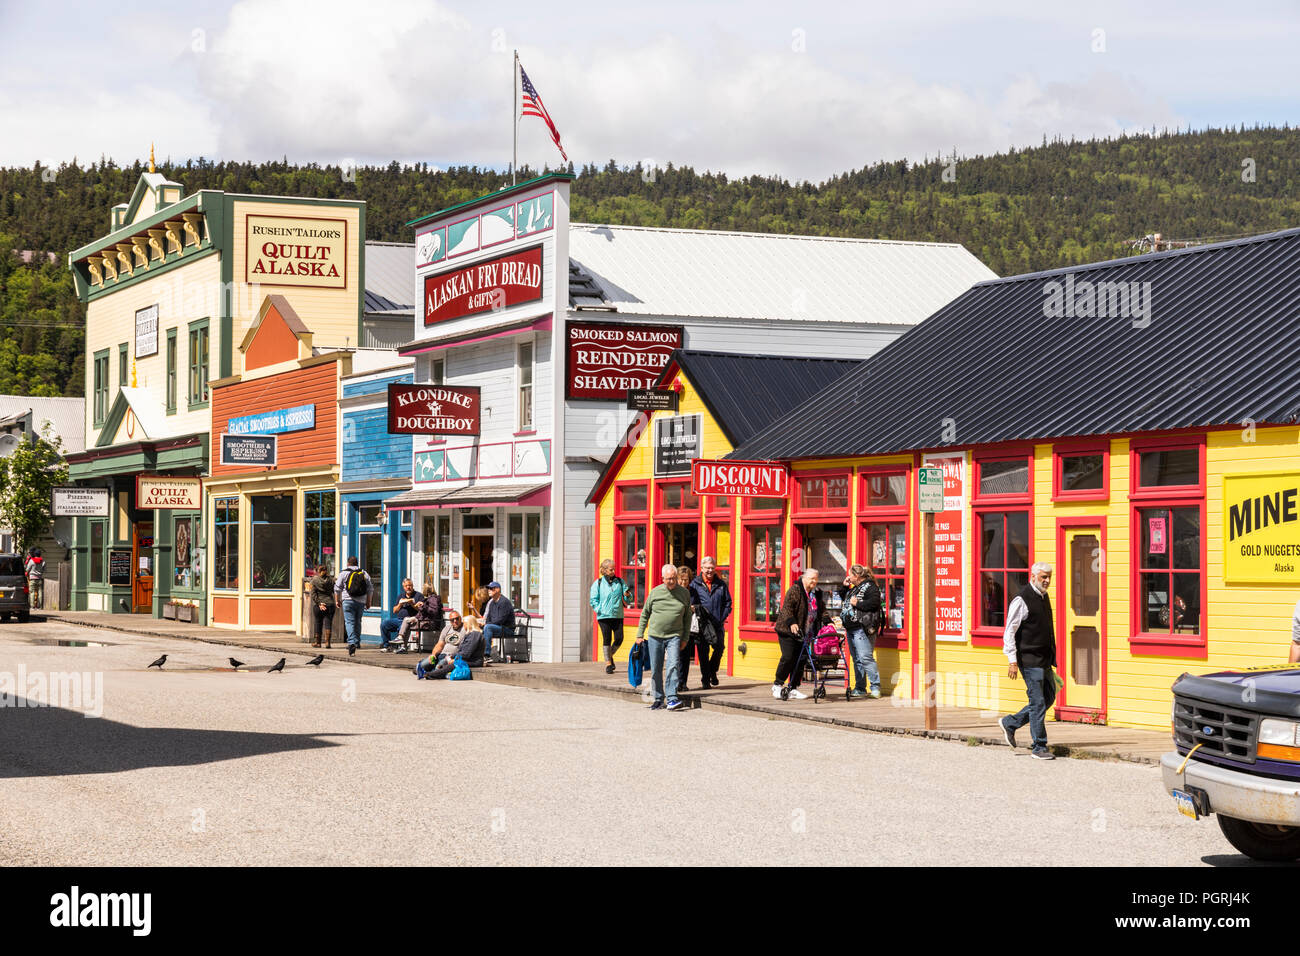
{"points": [[1279, 739]]}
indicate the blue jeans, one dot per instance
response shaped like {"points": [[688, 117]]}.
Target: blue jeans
{"points": [[352, 611], [389, 627], [864, 660], [661, 649], [1042, 693], [490, 631]]}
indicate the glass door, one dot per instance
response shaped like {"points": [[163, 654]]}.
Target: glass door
{"points": [[1081, 604]]}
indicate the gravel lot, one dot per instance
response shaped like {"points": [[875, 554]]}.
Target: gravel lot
{"points": [[351, 764]]}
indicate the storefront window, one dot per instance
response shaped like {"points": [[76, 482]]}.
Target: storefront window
{"points": [[225, 543], [632, 560], [1082, 472], [632, 498], [437, 554], [884, 551], [183, 552], [272, 541], [677, 496], [526, 562], [823, 493], [370, 545], [318, 532], [97, 552], [1169, 571], [1003, 562], [720, 548], [1009, 477], [825, 550], [884, 491], [1169, 467], [764, 558]]}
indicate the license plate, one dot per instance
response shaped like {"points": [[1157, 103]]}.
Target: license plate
{"points": [[1186, 804]]}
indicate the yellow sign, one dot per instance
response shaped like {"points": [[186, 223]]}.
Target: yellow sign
{"points": [[1261, 528], [312, 253], [166, 491]]}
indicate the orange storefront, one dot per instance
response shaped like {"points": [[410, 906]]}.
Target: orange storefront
{"points": [[271, 501]]}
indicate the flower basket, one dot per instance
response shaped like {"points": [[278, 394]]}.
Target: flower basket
{"points": [[186, 613], [169, 611]]}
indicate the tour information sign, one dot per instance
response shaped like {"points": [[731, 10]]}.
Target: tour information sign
{"points": [[949, 546], [744, 479]]}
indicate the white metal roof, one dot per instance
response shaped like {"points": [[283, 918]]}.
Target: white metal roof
{"points": [[390, 272], [67, 417], [745, 275]]}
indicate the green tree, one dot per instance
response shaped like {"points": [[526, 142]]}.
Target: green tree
{"points": [[27, 480]]}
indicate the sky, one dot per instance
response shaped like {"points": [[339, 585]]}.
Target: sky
{"points": [[801, 90]]}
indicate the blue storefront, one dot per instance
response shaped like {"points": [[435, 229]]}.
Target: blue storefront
{"points": [[375, 467]]}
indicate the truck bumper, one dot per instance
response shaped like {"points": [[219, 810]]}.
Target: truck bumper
{"points": [[1234, 793]]}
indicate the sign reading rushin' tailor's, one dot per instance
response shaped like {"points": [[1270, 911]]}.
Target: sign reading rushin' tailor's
{"points": [[488, 286], [607, 361], [744, 479], [433, 409]]}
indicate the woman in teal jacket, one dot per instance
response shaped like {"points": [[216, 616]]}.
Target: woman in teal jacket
{"points": [[609, 596]]}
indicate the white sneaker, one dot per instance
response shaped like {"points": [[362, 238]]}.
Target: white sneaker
{"points": [[797, 694], [776, 691]]}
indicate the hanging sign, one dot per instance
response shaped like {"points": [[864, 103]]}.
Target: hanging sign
{"points": [[71, 502], [434, 409], [488, 286], [744, 479], [606, 361], [652, 399]]}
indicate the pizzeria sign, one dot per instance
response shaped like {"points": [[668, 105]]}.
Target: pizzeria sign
{"points": [[434, 409]]}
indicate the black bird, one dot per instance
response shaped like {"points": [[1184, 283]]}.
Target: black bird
{"points": [[315, 661], [277, 666], [159, 662], [235, 664]]}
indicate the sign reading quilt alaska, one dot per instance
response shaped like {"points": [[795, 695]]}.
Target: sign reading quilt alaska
{"points": [[607, 361], [433, 409], [312, 253], [488, 286]]}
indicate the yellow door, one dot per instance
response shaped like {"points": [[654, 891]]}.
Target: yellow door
{"points": [[1084, 646]]}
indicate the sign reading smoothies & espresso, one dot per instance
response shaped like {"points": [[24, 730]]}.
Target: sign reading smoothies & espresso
{"points": [[433, 409], [606, 361]]}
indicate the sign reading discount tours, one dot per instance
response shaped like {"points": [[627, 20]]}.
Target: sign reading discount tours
{"points": [[607, 361], [434, 409], [949, 548], [488, 286], [311, 253], [744, 479]]}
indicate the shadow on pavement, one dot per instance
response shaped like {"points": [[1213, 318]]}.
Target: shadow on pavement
{"points": [[40, 741], [1238, 859]]}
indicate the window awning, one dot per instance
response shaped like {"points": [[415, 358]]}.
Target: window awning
{"points": [[472, 496]]}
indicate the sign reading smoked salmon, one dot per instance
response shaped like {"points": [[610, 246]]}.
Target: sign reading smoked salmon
{"points": [[154, 491], [312, 253], [488, 286], [744, 479], [607, 361], [433, 409]]}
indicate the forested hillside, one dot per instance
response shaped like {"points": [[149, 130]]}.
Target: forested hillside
{"points": [[1056, 204]]}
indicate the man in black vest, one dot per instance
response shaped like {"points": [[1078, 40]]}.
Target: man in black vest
{"points": [[1029, 642]]}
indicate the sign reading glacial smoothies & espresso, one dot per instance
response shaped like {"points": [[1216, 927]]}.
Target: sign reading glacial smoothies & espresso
{"points": [[606, 361], [488, 286], [312, 253], [433, 409]]}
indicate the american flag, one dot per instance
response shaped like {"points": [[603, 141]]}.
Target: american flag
{"points": [[532, 106]]}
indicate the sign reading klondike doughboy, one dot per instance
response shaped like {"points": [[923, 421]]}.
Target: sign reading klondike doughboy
{"points": [[283, 250], [165, 491], [1261, 528], [433, 409]]}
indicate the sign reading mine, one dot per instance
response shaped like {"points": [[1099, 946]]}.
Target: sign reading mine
{"points": [[606, 361], [434, 409], [164, 491], [488, 286], [744, 479]]}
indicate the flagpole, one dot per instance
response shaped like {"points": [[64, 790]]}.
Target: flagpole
{"points": [[514, 120]]}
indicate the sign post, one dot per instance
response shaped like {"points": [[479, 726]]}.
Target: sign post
{"points": [[930, 501]]}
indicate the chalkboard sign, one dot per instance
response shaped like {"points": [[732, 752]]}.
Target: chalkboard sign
{"points": [[119, 567], [259, 451]]}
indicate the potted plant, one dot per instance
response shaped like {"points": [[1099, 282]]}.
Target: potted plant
{"points": [[186, 612], [169, 610]]}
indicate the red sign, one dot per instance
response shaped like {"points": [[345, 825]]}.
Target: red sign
{"points": [[745, 479], [488, 286], [1156, 534], [950, 623], [433, 409], [607, 361]]}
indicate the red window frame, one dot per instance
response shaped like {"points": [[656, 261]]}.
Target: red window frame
{"points": [[1073, 450], [714, 510], [982, 635], [723, 562], [868, 515], [778, 573], [1155, 497], [822, 510], [639, 519], [619, 488], [661, 505]]}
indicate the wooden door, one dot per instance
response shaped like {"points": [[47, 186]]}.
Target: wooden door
{"points": [[142, 568]]}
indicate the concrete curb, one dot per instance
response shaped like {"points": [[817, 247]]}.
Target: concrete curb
{"points": [[504, 674]]}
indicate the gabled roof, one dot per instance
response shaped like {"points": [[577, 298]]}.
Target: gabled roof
{"points": [[756, 276], [150, 419], [1217, 346], [743, 393]]}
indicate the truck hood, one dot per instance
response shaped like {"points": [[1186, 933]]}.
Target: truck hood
{"points": [[1265, 690]]}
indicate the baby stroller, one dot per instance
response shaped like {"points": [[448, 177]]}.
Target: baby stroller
{"points": [[823, 656]]}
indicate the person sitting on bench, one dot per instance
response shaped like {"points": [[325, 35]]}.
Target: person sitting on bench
{"points": [[403, 611]]}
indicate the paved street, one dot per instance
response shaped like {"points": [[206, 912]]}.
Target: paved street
{"points": [[351, 764]]}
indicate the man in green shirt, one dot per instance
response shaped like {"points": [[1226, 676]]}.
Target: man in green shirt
{"points": [[667, 616]]}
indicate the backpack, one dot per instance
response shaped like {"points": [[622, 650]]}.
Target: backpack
{"points": [[356, 584]]}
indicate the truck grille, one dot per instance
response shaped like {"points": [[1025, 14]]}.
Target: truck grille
{"points": [[1222, 731]]}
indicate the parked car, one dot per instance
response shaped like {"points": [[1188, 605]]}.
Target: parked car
{"points": [[1237, 736], [14, 596]]}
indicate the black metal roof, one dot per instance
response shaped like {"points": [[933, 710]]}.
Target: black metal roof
{"points": [[1218, 345], [378, 303]]}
